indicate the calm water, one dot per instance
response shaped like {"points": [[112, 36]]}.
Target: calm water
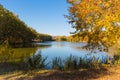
{"points": [[50, 49], [65, 49]]}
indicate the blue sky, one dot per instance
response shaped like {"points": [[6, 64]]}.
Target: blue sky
{"points": [[45, 16]]}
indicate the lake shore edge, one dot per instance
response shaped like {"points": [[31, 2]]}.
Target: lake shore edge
{"points": [[83, 74]]}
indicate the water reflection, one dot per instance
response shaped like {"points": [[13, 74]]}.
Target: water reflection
{"points": [[50, 49], [8, 54], [65, 49], [18, 53]]}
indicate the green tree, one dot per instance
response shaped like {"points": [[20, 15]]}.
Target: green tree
{"points": [[98, 20], [43, 37], [12, 29]]}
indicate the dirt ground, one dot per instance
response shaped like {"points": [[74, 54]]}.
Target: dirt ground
{"points": [[111, 73]]}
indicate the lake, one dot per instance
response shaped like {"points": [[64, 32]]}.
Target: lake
{"points": [[51, 49], [65, 49]]}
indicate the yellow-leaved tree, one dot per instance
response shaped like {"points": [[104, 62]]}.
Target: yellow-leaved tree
{"points": [[98, 20]]}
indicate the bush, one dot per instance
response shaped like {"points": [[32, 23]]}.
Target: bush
{"points": [[36, 62], [89, 63], [71, 63], [75, 63]]}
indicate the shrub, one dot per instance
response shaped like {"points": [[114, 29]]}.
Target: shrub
{"points": [[71, 63], [89, 63], [36, 62]]}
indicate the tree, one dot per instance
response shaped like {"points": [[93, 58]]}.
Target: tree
{"points": [[13, 30], [44, 37], [98, 20], [61, 38]]}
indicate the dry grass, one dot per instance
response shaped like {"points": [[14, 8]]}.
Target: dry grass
{"points": [[111, 73], [114, 76]]}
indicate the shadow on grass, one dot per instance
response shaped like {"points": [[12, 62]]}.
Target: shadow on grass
{"points": [[87, 74], [83, 74], [8, 67]]}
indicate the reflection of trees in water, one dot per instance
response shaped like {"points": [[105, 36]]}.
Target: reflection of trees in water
{"points": [[19, 54], [12, 59], [61, 44], [44, 46], [79, 48], [8, 54]]}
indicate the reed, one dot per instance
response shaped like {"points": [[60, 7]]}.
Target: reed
{"points": [[57, 63], [71, 63], [36, 61]]}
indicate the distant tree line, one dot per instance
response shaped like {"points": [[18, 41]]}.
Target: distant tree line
{"points": [[43, 37], [72, 38], [13, 30], [60, 38]]}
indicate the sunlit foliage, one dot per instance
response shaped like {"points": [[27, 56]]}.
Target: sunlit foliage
{"points": [[61, 38], [76, 38], [98, 20]]}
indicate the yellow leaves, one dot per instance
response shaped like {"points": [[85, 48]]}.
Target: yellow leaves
{"points": [[89, 8], [94, 15], [88, 20], [71, 1], [107, 5], [104, 39], [99, 2]]}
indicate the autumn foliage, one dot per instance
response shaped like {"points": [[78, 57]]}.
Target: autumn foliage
{"points": [[96, 19]]}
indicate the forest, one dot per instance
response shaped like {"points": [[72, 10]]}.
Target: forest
{"points": [[13, 30]]}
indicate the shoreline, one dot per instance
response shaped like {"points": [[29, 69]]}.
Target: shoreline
{"points": [[83, 74]]}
